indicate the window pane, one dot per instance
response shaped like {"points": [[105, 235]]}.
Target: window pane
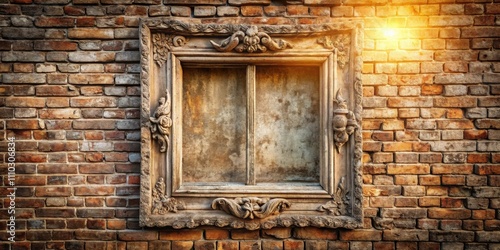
{"points": [[214, 125], [287, 122]]}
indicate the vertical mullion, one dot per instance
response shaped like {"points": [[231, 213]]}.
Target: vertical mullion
{"points": [[250, 125]]}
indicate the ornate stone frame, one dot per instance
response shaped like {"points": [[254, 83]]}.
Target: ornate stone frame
{"points": [[166, 44]]}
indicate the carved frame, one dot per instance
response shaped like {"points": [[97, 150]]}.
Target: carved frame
{"points": [[335, 48]]}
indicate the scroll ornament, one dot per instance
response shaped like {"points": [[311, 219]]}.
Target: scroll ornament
{"points": [[161, 123], [163, 43], [163, 204], [344, 122], [251, 207], [250, 41], [338, 206], [341, 43]]}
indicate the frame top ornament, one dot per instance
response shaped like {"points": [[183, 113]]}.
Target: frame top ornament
{"points": [[173, 48], [252, 40]]}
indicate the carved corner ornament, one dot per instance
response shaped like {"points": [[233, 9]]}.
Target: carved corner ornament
{"points": [[344, 122], [251, 207], [161, 123], [163, 204], [341, 43], [338, 206], [163, 43], [252, 40]]}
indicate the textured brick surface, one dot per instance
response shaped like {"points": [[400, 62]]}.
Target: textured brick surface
{"points": [[70, 94]]}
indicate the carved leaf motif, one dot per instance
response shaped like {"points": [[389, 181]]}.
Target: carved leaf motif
{"points": [[341, 43], [252, 207], [161, 123], [162, 45], [250, 41], [338, 206], [163, 204]]}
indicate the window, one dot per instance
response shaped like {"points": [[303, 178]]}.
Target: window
{"points": [[250, 126]]}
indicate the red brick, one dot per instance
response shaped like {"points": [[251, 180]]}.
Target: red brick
{"points": [[452, 169], [483, 214], [403, 213], [55, 212], [488, 123], [250, 11], [453, 102], [91, 79], [91, 201], [428, 89], [179, 235], [55, 22], [138, 236], [271, 244], [450, 225], [454, 124], [85, 21], [240, 234], [74, 10], [296, 10], [487, 169], [431, 158], [96, 168], [453, 180], [374, 169], [452, 236], [90, 33], [429, 202], [95, 235], [372, 146], [406, 235], [57, 102], [216, 234], [293, 244], [406, 202], [28, 102], [397, 146], [116, 157], [56, 91], [116, 225], [94, 190], [57, 146], [429, 180], [127, 146], [225, 244], [23, 124], [93, 102], [452, 203], [408, 169], [205, 244], [445, 213], [136, 11], [427, 224], [381, 201], [383, 136], [475, 134], [310, 233]]}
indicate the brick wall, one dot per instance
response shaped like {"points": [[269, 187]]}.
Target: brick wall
{"points": [[70, 96]]}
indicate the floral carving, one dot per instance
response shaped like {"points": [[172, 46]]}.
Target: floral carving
{"points": [[338, 206], [341, 43], [251, 207], [163, 204], [344, 122], [250, 41], [163, 43], [161, 123]]}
